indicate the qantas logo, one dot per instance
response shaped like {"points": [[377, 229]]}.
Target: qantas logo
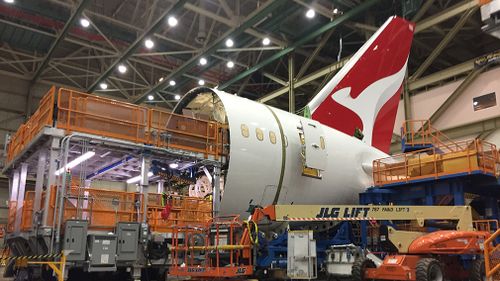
{"points": [[366, 105], [364, 94]]}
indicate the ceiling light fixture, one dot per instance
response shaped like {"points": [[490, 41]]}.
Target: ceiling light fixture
{"points": [[171, 82], [138, 178], [230, 64], [173, 165], [201, 82], [177, 97], [172, 21], [310, 13], [87, 155], [266, 41], [229, 43], [84, 22], [151, 97], [149, 43], [203, 61], [122, 68], [103, 86]]}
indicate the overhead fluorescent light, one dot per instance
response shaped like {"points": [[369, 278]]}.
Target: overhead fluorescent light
{"points": [[105, 154], [138, 178], [86, 156]]}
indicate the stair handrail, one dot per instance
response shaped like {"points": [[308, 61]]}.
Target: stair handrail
{"points": [[489, 248]]}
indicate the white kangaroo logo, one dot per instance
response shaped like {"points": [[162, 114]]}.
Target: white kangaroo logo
{"points": [[368, 104]]}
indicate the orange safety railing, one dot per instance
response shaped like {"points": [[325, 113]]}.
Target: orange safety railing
{"points": [[492, 257], [80, 112], [172, 130], [105, 208], [211, 250], [101, 116], [418, 133], [185, 210], [474, 156], [486, 225], [42, 117]]}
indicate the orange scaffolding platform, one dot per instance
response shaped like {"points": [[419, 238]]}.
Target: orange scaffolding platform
{"points": [[74, 111], [431, 154], [473, 156], [105, 208]]}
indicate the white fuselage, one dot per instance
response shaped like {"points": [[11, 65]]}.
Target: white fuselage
{"points": [[256, 165]]}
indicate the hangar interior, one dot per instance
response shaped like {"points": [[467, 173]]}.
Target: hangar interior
{"points": [[122, 118]]}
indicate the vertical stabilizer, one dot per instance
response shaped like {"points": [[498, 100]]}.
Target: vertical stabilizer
{"points": [[365, 93]]}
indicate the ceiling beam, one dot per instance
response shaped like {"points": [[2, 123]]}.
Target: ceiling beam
{"points": [[310, 59], [442, 75], [233, 23], [443, 43], [423, 9], [250, 21], [446, 14], [139, 40], [306, 80], [60, 38], [341, 19]]}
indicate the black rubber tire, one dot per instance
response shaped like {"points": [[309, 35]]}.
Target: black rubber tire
{"points": [[429, 269], [477, 272], [359, 267]]}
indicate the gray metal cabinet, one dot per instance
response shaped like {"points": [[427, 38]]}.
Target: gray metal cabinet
{"points": [[128, 241], [102, 251], [75, 236]]}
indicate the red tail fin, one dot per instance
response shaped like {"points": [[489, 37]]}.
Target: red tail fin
{"points": [[365, 92]]}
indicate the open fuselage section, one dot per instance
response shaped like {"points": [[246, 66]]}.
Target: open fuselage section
{"points": [[276, 157]]}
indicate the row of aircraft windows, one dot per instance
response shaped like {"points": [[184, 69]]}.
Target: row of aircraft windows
{"points": [[245, 132]]}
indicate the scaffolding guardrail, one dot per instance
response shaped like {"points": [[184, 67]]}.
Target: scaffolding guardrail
{"points": [[105, 208], [492, 257], [437, 161], [419, 134], [42, 117], [80, 112]]}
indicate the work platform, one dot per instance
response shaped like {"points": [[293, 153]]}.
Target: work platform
{"points": [[93, 161], [74, 111], [437, 171]]}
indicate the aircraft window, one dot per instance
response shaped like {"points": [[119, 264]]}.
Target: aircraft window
{"points": [[272, 137], [322, 142], [260, 134], [244, 131]]}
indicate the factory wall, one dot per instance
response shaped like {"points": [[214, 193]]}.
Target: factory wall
{"points": [[461, 111]]}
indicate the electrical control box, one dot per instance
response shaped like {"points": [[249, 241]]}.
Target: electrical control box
{"points": [[143, 236], [302, 261], [102, 252], [75, 234], [128, 241]]}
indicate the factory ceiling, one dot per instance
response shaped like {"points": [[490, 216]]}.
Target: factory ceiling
{"points": [[153, 51]]}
